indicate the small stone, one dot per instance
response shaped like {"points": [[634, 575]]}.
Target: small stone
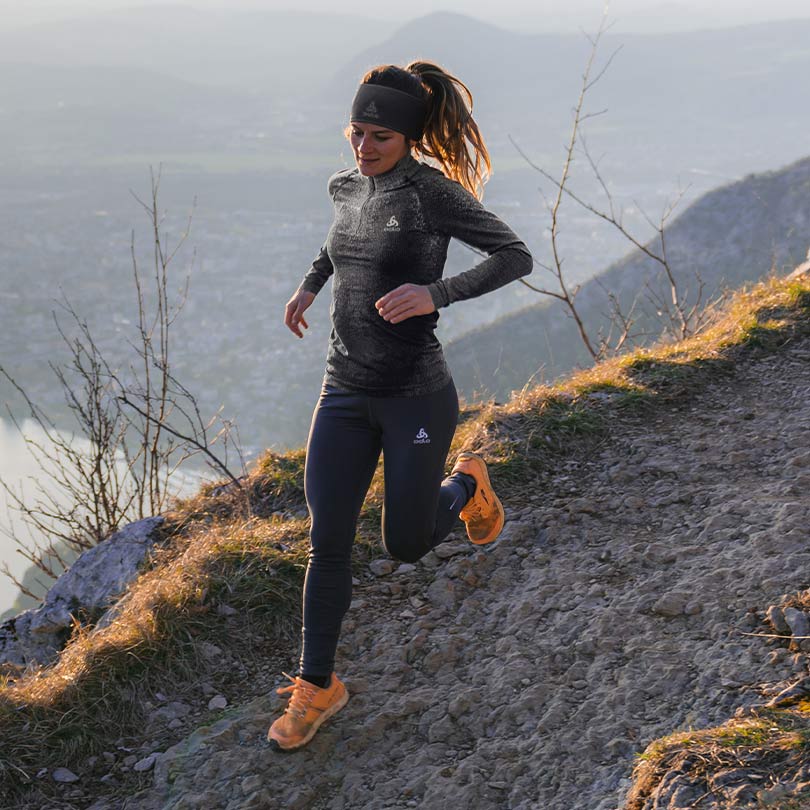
{"points": [[226, 610], [583, 505], [442, 592], [381, 568], [130, 760], [430, 560], [797, 621], [250, 784], [446, 550], [145, 764], [179, 709], [406, 568], [777, 619], [217, 702], [671, 604]]}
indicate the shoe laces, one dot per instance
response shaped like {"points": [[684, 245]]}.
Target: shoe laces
{"points": [[301, 697], [474, 509]]}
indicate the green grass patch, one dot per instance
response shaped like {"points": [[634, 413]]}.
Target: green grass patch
{"points": [[743, 736], [772, 742]]}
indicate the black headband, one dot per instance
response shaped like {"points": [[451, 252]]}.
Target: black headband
{"points": [[390, 108]]}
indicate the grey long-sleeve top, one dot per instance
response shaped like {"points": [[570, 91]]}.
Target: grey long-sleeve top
{"points": [[389, 230]]}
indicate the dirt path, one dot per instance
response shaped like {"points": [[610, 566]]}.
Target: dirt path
{"points": [[527, 675]]}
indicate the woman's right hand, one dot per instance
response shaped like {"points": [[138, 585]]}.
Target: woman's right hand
{"points": [[294, 314]]}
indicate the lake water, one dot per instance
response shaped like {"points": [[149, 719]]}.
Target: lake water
{"points": [[19, 469]]}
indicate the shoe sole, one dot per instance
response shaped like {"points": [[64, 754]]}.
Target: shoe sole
{"points": [[331, 711], [501, 515]]}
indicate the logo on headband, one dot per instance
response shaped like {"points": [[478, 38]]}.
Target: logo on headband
{"points": [[371, 110]]}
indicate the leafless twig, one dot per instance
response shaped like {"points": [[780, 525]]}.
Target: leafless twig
{"points": [[134, 429]]}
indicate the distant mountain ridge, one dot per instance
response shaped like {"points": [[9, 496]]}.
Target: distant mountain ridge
{"points": [[655, 78], [729, 236], [249, 51], [273, 77]]}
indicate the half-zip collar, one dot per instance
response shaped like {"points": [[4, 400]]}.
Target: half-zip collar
{"points": [[395, 177]]}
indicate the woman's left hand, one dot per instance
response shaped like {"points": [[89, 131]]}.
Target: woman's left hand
{"points": [[404, 302]]}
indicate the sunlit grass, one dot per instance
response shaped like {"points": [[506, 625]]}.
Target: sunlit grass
{"points": [[771, 742]]}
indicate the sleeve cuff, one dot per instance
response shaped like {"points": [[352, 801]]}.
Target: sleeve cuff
{"points": [[312, 287], [438, 292]]}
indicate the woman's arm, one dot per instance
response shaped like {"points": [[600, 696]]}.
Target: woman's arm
{"points": [[322, 268], [307, 290], [318, 273], [451, 209], [316, 276]]}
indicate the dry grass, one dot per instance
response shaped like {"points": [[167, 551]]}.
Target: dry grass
{"points": [[770, 743], [249, 549], [524, 438]]}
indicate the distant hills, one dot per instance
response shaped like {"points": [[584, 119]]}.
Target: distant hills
{"points": [[729, 236], [292, 75], [702, 85]]}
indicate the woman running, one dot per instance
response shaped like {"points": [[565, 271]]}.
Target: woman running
{"points": [[387, 387]]}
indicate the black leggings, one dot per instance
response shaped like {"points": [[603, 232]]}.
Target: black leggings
{"points": [[348, 432]]}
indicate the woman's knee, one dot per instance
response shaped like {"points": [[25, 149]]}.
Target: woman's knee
{"points": [[406, 545], [330, 543]]}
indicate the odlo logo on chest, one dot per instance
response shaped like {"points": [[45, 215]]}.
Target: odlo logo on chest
{"points": [[392, 224]]}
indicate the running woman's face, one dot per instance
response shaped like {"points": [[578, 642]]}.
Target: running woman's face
{"points": [[376, 149]]}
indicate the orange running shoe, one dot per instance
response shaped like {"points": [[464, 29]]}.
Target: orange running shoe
{"points": [[309, 706], [483, 513]]}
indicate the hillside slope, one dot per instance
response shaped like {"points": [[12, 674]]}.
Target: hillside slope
{"points": [[729, 236], [609, 615], [529, 673]]}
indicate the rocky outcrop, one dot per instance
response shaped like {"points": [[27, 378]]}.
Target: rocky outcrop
{"points": [[91, 585]]}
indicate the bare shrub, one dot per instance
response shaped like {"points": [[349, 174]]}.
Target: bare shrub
{"points": [[135, 425]]}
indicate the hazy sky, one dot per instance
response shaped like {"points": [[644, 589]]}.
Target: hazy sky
{"points": [[529, 15]]}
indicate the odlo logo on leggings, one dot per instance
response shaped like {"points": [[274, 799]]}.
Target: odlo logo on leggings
{"points": [[422, 437]]}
